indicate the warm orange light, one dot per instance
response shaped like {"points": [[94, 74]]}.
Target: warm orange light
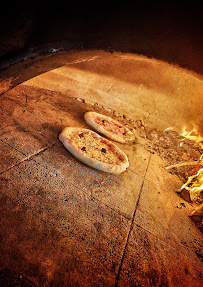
{"points": [[194, 185], [193, 135]]}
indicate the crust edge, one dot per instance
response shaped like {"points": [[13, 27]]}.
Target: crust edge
{"points": [[106, 167], [89, 119]]}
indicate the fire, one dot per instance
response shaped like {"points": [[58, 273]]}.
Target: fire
{"points": [[194, 184], [193, 135]]}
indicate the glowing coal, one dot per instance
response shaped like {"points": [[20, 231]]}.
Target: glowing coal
{"points": [[194, 187], [192, 190]]}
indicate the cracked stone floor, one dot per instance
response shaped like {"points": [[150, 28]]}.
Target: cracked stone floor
{"points": [[66, 224]]}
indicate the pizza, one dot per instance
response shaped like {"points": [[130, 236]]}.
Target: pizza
{"points": [[94, 150], [109, 127]]}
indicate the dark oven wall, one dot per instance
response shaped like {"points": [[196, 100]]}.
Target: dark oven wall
{"points": [[166, 31]]}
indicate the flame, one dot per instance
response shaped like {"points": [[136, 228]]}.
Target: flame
{"points": [[194, 184], [193, 135]]}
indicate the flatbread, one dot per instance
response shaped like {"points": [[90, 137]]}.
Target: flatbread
{"points": [[94, 150], [109, 127]]}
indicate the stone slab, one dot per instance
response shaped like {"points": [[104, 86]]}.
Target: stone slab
{"points": [[73, 88], [62, 221], [119, 192], [32, 120], [9, 157], [54, 233], [150, 261], [21, 129], [163, 213]]}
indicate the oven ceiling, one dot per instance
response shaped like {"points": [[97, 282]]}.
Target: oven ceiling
{"points": [[171, 32]]}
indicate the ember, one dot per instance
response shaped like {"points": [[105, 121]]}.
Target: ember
{"points": [[194, 135], [194, 186], [192, 190]]}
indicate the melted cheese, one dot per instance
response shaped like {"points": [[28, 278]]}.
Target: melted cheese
{"points": [[93, 148], [111, 126]]}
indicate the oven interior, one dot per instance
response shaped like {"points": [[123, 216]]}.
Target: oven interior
{"points": [[64, 223]]}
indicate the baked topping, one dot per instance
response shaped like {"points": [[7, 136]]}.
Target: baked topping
{"points": [[111, 126], [95, 147], [94, 150]]}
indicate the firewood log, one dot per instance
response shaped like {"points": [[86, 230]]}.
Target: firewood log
{"points": [[197, 214]]}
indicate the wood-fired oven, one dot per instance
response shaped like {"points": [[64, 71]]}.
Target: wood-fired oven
{"points": [[63, 223]]}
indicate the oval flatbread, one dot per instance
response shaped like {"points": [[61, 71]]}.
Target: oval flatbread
{"points": [[109, 127], [94, 150]]}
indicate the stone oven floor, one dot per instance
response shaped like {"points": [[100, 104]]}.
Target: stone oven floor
{"points": [[66, 224]]}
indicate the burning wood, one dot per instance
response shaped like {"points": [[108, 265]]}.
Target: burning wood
{"points": [[184, 164], [195, 162], [184, 152], [193, 135], [197, 214], [192, 190]]}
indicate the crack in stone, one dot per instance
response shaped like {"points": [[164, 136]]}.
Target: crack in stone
{"points": [[26, 280], [131, 226], [26, 157], [111, 86], [12, 147]]}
